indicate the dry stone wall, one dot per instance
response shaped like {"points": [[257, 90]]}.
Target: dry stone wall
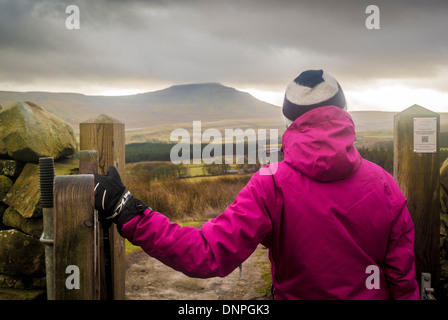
{"points": [[27, 132]]}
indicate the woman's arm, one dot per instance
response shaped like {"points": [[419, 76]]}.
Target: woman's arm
{"points": [[220, 245]]}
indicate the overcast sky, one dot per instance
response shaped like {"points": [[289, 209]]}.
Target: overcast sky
{"points": [[124, 47]]}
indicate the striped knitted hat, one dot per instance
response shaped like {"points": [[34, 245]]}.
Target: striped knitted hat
{"points": [[311, 89]]}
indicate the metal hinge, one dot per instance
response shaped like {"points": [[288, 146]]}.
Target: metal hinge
{"points": [[426, 292]]}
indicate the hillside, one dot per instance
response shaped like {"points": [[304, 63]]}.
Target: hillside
{"points": [[177, 104], [152, 116]]}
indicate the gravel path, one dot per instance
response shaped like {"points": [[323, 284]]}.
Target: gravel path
{"points": [[149, 279]]}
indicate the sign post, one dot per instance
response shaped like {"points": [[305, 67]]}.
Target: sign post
{"points": [[417, 172]]}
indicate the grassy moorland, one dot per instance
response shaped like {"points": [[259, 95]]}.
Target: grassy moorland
{"points": [[185, 199], [190, 201], [200, 196]]}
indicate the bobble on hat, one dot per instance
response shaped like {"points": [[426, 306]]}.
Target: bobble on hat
{"points": [[311, 89]]}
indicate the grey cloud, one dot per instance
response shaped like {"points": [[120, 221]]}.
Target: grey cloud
{"points": [[235, 42]]}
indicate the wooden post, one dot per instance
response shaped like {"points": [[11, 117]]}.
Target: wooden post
{"points": [[88, 161], [74, 238], [107, 135], [417, 172]]}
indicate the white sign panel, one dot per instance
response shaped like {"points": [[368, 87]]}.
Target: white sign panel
{"points": [[425, 135]]}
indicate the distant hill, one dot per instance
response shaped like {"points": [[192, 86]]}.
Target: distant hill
{"points": [[373, 120], [176, 104], [153, 115]]}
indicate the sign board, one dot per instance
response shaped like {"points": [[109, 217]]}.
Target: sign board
{"points": [[425, 135]]}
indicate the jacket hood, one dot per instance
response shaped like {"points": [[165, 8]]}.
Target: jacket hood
{"points": [[320, 144]]}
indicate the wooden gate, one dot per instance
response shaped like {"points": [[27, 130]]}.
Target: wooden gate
{"points": [[89, 256]]}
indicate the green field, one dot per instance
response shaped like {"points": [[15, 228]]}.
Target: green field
{"points": [[372, 137], [145, 167]]}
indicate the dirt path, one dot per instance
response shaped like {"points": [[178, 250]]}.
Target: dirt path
{"points": [[149, 279]]}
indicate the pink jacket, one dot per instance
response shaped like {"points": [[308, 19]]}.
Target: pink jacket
{"points": [[328, 217]]}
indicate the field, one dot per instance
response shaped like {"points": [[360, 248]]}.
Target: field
{"points": [[200, 196], [197, 198], [373, 137]]}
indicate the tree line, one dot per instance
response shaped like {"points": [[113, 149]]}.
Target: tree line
{"points": [[381, 154], [160, 151]]}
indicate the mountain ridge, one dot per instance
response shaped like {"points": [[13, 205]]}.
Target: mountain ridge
{"points": [[180, 105]]}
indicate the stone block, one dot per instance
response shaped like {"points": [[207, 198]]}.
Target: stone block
{"points": [[24, 195]]}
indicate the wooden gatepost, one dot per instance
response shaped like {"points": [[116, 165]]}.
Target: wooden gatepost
{"points": [[417, 172], [107, 135], [89, 256], [75, 257]]}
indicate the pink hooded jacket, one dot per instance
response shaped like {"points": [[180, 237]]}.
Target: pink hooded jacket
{"points": [[328, 217]]}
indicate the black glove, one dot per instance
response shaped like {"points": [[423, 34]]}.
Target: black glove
{"points": [[108, 190], [113, 201]]}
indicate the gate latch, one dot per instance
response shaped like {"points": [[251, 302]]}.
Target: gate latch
{"points": [[426, 292]]}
